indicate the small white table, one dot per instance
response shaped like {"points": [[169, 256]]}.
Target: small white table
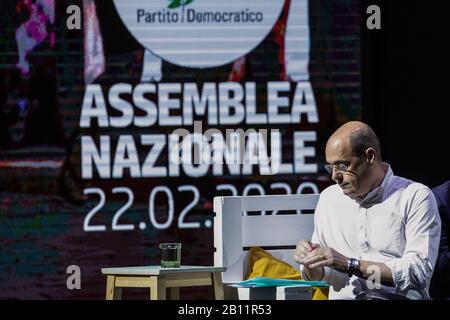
{"points": [[158, 280]]}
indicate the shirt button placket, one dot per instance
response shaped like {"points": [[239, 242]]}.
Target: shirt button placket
{"points": [[362, 230]]}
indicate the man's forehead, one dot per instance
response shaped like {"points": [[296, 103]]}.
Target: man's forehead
{"points": [[337, 147], [337, 150]]}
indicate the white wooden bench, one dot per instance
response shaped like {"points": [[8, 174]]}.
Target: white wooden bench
{"points": [[235, 231]]}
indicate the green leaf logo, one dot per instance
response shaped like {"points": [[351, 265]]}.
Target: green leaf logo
{"points": [[178, 3]]}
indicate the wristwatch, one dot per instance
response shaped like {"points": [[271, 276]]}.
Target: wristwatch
{"points": [[352, 266]]}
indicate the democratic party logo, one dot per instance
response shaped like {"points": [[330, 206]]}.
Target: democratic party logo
{"points": [[179, 3], [199, 33]]}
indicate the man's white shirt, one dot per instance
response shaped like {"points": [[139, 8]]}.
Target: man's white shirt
{"points": [[397, 224]]}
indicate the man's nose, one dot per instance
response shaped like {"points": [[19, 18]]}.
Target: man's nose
{"points": [[336, 175]]}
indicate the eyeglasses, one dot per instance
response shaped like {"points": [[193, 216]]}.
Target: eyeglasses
{"points": [[342, 167]]}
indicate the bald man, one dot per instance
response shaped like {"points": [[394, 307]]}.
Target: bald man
{"points": [[373, 231]]}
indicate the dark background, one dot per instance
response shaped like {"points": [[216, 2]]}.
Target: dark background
{"points": [[405, 89]]}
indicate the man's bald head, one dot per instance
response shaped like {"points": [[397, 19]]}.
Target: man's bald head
{"points": [[356, 135], [353, 154]]}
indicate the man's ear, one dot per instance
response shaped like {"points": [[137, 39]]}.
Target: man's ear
{"points": [[371, 155]]}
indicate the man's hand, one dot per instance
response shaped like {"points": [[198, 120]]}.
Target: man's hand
{"points": [[321, 257], [304, 248]]}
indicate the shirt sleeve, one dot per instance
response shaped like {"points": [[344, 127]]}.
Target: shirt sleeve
{"points": [[422, 232]]}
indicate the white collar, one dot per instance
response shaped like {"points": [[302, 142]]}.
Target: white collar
{"points": [[376, 195]]}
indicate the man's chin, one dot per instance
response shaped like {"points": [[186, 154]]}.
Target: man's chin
{"points": [[348, 192]]}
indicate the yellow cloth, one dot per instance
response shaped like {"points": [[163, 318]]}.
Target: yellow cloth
{"points": [[263, 264]]}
